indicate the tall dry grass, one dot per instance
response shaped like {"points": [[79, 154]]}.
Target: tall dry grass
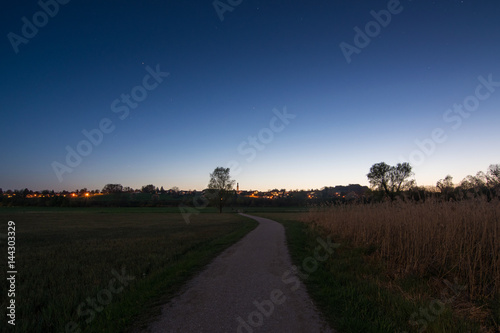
{"points": [[453, 240]]}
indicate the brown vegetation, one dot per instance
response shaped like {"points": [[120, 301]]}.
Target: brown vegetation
{"points": [[444, 239]]}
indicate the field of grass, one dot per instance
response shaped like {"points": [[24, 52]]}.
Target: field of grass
{"points": [[102, 270], [359, 289], [401, 267]]}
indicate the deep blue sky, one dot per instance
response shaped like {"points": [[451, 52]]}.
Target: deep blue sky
{"points": [[226, 78]]}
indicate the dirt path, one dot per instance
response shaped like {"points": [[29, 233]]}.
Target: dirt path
{"points": [[250, 287]]}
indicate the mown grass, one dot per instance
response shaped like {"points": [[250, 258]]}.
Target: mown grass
{"points": [[65, 257], [356, 294]]}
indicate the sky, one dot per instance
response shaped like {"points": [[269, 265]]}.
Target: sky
{"points": [[288, 94]]}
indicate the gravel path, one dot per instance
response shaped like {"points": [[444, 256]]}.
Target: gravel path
{"points": [[249, 288]]}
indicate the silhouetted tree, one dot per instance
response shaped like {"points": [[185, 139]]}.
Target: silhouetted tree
{"points": [[483, 183], [446, 186], [390, 179], [220, 186], [493, 175], [112, 188], [148, 189]]}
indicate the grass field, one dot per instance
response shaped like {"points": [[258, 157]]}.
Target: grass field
{"points": [[357, 289], [102, 270], [106, 269]]}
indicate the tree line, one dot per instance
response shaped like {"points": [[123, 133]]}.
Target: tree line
{"points": [[393, 182], [386, 183]]}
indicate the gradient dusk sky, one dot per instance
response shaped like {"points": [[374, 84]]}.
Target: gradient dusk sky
{"points": [[287, 93]]}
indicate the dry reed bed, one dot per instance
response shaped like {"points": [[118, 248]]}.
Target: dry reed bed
{"points": [[452, 240]]}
